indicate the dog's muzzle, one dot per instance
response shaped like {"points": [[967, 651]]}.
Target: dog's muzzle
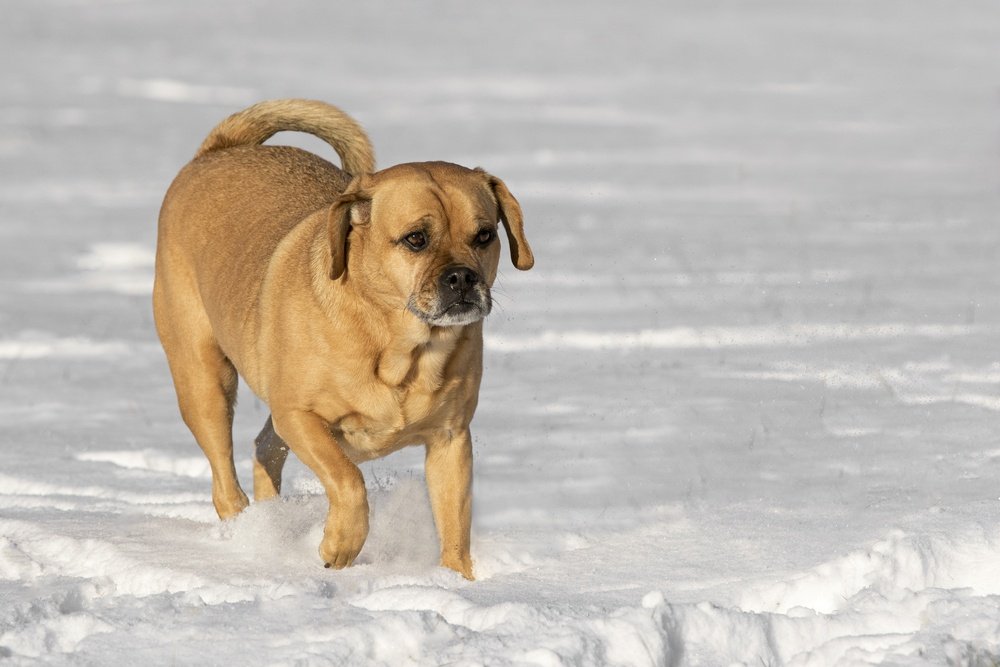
{"points": [[462, 298]]}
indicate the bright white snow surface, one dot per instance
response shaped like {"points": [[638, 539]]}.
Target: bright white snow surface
{"points": [[745, 409]]}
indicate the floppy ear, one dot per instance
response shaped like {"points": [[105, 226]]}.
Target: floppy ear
{"points": [[353, 207], [510, 215]]}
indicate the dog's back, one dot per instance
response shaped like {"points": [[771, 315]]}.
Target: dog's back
{"points": [[210, 257]]}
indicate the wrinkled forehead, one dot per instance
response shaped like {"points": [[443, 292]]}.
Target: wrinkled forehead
{"points": [[410, 193]]}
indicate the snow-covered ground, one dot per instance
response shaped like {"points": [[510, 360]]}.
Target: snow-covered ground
{"points": [[745, 409]]}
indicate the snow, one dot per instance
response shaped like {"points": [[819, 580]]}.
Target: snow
{"points": [[743, 411]]}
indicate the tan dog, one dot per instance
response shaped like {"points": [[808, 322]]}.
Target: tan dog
{"points": [[350, 302]]}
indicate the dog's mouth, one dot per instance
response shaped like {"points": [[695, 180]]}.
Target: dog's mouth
{"points": [[458, 312]]}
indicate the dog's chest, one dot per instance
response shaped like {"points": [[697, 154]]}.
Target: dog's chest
{"points": [[411, 396]]}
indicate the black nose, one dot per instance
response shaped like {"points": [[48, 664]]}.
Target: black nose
{"points": [[458, 278]]}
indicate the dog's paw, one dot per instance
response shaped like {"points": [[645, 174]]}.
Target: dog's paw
{"points": [[340, 553], [462, 565], [228, 505], [343, 537]]}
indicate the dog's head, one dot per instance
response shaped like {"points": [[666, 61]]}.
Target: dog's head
{"points": [[424, 236]]}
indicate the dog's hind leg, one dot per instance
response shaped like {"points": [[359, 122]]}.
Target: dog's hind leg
{"points": [[270, 453], [205, 381], [206, 393]]}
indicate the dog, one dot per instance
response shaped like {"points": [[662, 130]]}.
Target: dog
{"points": [[350, 300]]}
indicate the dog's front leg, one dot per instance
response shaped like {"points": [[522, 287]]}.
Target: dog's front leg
{"points": [[448, 468], [309, 436]]}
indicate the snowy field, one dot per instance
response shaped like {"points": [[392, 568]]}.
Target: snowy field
{"points": [[745, 409]]}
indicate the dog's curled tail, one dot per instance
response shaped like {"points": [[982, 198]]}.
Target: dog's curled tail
{"points": [[256, 124]]}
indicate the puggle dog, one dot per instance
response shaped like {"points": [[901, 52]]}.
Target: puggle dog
{"points": [[350, 301]]}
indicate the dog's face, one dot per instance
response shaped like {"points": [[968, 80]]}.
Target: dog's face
{"points": [[424, 237]]}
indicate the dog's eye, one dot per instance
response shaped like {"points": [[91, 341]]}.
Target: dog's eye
{"points": [[484, 236], [416, 240]]}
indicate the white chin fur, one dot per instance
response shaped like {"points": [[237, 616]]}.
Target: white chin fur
{"points": [[453, 317], [457, 319]]}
